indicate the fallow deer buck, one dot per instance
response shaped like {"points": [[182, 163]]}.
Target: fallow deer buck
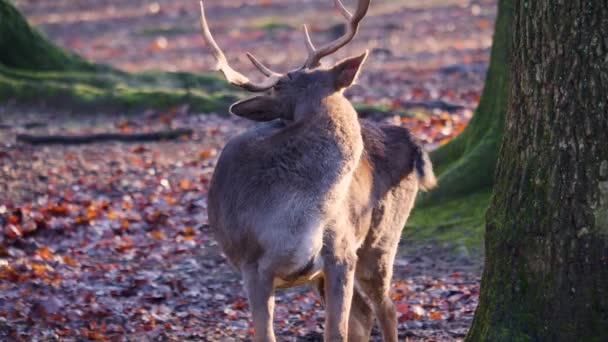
{"points": [[314, 194]]}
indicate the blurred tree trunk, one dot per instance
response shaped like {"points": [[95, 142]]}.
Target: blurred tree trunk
{"points": [[33, 70], [25, 48], [467, 163], [546, 267]]}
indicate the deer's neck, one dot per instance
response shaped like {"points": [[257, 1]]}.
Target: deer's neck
{"points": [[333, 134], [336, 120]]}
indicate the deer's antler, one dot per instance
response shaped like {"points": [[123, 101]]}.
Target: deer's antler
{"points": [[232, 76], [352, 25]]}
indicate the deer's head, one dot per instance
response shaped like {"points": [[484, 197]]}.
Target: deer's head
{"points": [[295, 93]]}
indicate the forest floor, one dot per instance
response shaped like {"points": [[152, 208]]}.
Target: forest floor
{"points": [[108, 241]]}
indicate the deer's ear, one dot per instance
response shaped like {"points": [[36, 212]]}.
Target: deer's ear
{"points": [[259, 108], [345, 72]]}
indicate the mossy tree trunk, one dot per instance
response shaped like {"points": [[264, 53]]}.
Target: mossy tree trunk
{"points": [[24, 47], [33, 70], [467, 163], [546, 267]]}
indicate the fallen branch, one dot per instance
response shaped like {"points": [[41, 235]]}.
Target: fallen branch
{"points": [[433, 104], [27, 125], [100, 137]]}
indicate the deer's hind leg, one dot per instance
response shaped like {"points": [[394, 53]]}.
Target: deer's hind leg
{"points": [[375, 281], [260, 291], [339, 288], [361, 318]]}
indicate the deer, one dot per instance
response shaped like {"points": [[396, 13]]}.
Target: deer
{"points": [[312, 194]]}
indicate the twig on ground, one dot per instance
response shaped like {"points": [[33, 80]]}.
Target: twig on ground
{"points": [[100, 137], [27, 125]]}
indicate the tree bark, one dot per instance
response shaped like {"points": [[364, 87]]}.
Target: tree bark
{"points": [[467, 163], [546, 266]]}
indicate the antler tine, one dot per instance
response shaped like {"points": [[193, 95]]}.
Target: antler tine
{"points": [[261, 67], [345, 12], [309, 45], [315, 55], [232, 76]]}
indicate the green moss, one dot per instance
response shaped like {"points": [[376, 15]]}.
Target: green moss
{"points": [[109, 91], [472, 172], [467, 163], [459, 221], [24, 47], [35, 71], [165, 30], [271, 24]]}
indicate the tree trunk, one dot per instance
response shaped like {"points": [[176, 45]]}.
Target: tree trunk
{"points": [[546, 267], [25, 48], [33, 70], [466, 164]]}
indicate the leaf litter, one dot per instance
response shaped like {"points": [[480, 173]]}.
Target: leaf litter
{"points": [[109, 242]]}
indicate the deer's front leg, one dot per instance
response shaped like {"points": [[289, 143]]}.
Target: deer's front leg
{"points": [[340, 260], [260, 291]]}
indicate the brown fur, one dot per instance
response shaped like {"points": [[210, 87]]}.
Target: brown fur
{"points": [[315, 195], [380, 196]]}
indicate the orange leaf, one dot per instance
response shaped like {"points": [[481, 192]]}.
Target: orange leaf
{"points": [[14, 219], [39, 269], [157, 234], [204, 154], [184, 184], [159, 44], [69, 261], [124, 247], [91, 213], [397, 296], [124, 224], [435, 315], [170, 200], [45, 253], [484, 23], [402, 308], [59, 210], [93, 335]]}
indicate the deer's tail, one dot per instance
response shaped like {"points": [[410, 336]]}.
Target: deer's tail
{"points": [[424, 169]]}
